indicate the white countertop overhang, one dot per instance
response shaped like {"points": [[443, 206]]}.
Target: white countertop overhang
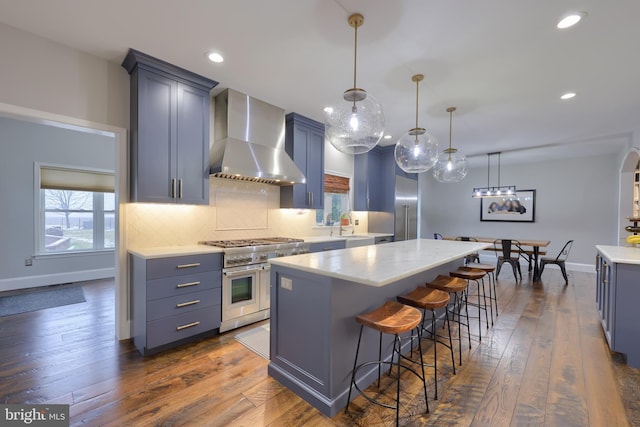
{"points": [[171, 251], [380, 265], [620, 254]]}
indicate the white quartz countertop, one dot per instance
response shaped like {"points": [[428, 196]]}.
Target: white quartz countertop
{"points": [[170, 251], [620, 254], [379, 265]]}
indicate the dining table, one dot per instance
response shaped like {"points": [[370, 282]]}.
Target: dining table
{"points": [[534, 244]]}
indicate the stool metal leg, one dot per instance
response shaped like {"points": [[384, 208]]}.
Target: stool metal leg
{"points": [[353, 373]]}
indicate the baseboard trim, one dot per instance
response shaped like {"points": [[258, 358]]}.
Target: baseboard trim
{"points": [[55, 279]]}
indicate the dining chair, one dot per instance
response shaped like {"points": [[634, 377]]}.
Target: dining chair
{"points": [[559, 260], [507, 251], [471, 257]]}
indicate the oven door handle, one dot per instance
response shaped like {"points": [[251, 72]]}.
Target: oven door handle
{"points": [[240, 273]]}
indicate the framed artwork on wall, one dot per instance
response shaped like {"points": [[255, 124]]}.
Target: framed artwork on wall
{"points": [[518, 208]]}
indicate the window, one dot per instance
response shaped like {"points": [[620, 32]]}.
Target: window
{"points": [[336, 200], [77, 210]]}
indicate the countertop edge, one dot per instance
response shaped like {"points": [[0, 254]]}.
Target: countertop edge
{"points": [[172, 251], [620, 254]]}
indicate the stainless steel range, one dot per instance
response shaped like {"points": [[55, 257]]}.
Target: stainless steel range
{"points": [[246, 287]]}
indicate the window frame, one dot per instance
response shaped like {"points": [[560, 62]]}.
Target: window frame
{"points": [[98, 220], [349, 195]]}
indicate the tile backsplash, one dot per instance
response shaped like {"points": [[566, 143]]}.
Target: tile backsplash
{"points": [[238, 209]]}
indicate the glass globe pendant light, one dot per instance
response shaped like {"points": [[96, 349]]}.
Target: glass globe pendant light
{"points": [[355, 123], [451, 165], [417, 150]]}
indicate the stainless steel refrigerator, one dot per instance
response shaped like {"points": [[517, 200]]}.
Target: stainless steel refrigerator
{"points": [[406, 204]]}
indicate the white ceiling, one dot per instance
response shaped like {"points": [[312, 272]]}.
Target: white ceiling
{"points": [[502, 63]]}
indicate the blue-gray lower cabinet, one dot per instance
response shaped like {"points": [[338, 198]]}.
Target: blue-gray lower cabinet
{"points": [[617, 296], [174, 299], [328, 246]]}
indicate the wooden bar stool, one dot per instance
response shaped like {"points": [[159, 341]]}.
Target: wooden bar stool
{"points": [[391, 318], [431, 299], [470, 274], [493, 293], [458, 288]]}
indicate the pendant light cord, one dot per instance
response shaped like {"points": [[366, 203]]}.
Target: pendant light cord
{"points": [[417, 86], [355, 56]]}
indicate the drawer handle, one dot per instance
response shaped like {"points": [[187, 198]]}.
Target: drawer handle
{"points": [[188, 325], [185, 304], [195, 264], [184, 285]]}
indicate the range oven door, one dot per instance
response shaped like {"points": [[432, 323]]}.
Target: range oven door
{"points": [[240, 291]]}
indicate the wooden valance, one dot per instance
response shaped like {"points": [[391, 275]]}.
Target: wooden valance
{"points": [[336, 184]]}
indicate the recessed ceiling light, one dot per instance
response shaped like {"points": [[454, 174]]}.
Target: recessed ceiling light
{"points": [[571, 19], [328, 110], [387, 137], [215, 57], [568, 95]]}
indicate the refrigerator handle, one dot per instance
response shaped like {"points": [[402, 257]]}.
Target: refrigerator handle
{"points": [[406, 222]]}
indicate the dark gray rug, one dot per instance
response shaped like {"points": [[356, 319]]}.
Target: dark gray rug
{"points": [[38, 300]]}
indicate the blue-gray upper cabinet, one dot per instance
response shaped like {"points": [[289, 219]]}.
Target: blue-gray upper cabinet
{"points": [[304, 142], [170, 113], [368, 179], [374, 180]]}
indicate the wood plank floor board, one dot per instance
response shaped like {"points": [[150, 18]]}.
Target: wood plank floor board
{"points": [[543, 363]]}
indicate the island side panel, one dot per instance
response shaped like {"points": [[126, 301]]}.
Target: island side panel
{"points": [[314, 333], [627, 295], [300, 326]]}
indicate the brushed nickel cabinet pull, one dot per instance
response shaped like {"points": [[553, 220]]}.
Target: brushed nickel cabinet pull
{"points": [[195, 264], [185, 304], [173, 188], [188, 325], [180, 188], [184, 285]]}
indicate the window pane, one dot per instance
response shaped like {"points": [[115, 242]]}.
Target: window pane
{"points": [[69, 219], [335, 205]]}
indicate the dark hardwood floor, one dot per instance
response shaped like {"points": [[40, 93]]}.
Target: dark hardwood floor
{"points": [[545, 362]]}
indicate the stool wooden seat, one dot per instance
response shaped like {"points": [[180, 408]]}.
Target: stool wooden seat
{"points": [[431, 299], [493, 293], [448, 284], [468, 274], [390, 318], [457, 287]]}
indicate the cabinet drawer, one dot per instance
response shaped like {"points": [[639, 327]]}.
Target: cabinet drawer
{"points": [[182, 326], [180, 285], [165, 307], [327, 246], [182, 265]]}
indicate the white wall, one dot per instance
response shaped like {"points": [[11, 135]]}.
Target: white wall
{"points": [[22, 145], [576, 198], [40, 74]]}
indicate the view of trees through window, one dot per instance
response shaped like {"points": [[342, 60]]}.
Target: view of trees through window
{"points": [[77, 220]]}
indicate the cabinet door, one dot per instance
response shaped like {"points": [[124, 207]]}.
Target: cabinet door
{"points": [[608, 302], [154, 151], [369, 176], [315, 169], [192, 163], [304, 143]]}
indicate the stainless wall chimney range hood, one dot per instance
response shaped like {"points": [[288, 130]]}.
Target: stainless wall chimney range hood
{"points": [[249, 141]]}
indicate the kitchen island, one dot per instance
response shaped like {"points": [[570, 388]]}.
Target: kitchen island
{"points": [[315, 298], [617, 295]]}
